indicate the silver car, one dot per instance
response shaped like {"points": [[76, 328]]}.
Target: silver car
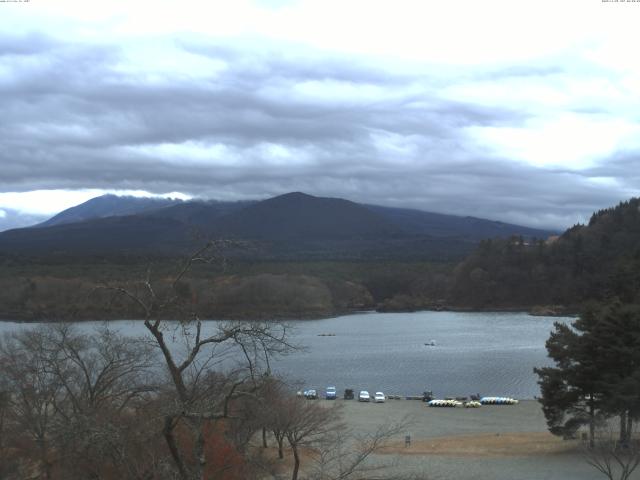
{"points": [[363, 396]]}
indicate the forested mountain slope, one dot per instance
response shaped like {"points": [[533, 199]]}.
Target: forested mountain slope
{"points": [[588, 262]]}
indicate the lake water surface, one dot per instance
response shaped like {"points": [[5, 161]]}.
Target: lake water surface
{"points": [[486, 353]]}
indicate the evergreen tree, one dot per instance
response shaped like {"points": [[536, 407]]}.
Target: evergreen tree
{"points": [[597, 371], [570, 391], [618, 330]]}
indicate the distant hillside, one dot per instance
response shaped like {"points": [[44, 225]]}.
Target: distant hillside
{"points": [[107, 206], [418, 222], [127, 235], [588, 262], [305, 217], [292, 226], [198, 213]]}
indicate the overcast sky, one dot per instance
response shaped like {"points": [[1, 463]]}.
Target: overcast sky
{"points": [[521, 111]]}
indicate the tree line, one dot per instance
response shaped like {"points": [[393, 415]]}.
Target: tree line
{"points": [[599, 261]]}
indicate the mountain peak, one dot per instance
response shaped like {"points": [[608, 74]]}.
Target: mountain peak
{"points": [[299, 215], [293, 196]]}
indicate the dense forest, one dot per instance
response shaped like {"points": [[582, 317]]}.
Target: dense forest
{"points": [[74, 290], [597, 261]]}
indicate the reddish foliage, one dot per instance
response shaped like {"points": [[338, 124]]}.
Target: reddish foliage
{"points": [[224, 462]]}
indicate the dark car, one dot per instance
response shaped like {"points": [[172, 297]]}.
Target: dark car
{"points": [[348, 394]]}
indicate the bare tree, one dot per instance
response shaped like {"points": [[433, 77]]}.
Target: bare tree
{"points": [[33, 391], [4, 408], [97, 371], [307, 422], [189, 352], [126, 445], [106, 387], [344, 455], [75, 397], [7, 460], [615, 459], [273, 411], [334, 452]]}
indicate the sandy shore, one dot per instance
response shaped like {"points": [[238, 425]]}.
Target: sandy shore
{"points": [[496, 442]]}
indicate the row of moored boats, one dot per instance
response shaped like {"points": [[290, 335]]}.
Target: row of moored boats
{"points": [[473, 403]]}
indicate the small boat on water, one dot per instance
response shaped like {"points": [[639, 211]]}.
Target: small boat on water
{"points": [[431, 343]]}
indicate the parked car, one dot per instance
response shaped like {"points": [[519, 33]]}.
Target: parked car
{"points": [[379, 397], [348, 394], [330, 393], [311, 394], [363, 396]]}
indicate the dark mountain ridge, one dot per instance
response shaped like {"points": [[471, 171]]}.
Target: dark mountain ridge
{"points": [[200, 213], [293, 225], [300, 216], [108, 206]]}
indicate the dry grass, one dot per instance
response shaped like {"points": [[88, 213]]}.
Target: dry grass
{"points": [[284, 466], [486, 445]]}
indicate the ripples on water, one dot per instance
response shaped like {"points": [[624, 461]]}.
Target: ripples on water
{"points": [[486, 353]]}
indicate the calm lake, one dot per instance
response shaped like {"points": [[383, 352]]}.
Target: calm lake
{"points": [[486, 353]]}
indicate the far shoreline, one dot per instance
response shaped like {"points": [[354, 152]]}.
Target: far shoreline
{"points": [[569, 313], [306, 317]]}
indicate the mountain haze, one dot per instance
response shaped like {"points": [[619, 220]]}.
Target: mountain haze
{"points": [[107, 206], [418, 222]]}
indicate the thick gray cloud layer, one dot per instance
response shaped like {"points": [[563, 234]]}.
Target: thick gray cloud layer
{"points": [[251, 122]]}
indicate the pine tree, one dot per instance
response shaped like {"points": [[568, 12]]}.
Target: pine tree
{"points": [[597, 372], [570, 391]]}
